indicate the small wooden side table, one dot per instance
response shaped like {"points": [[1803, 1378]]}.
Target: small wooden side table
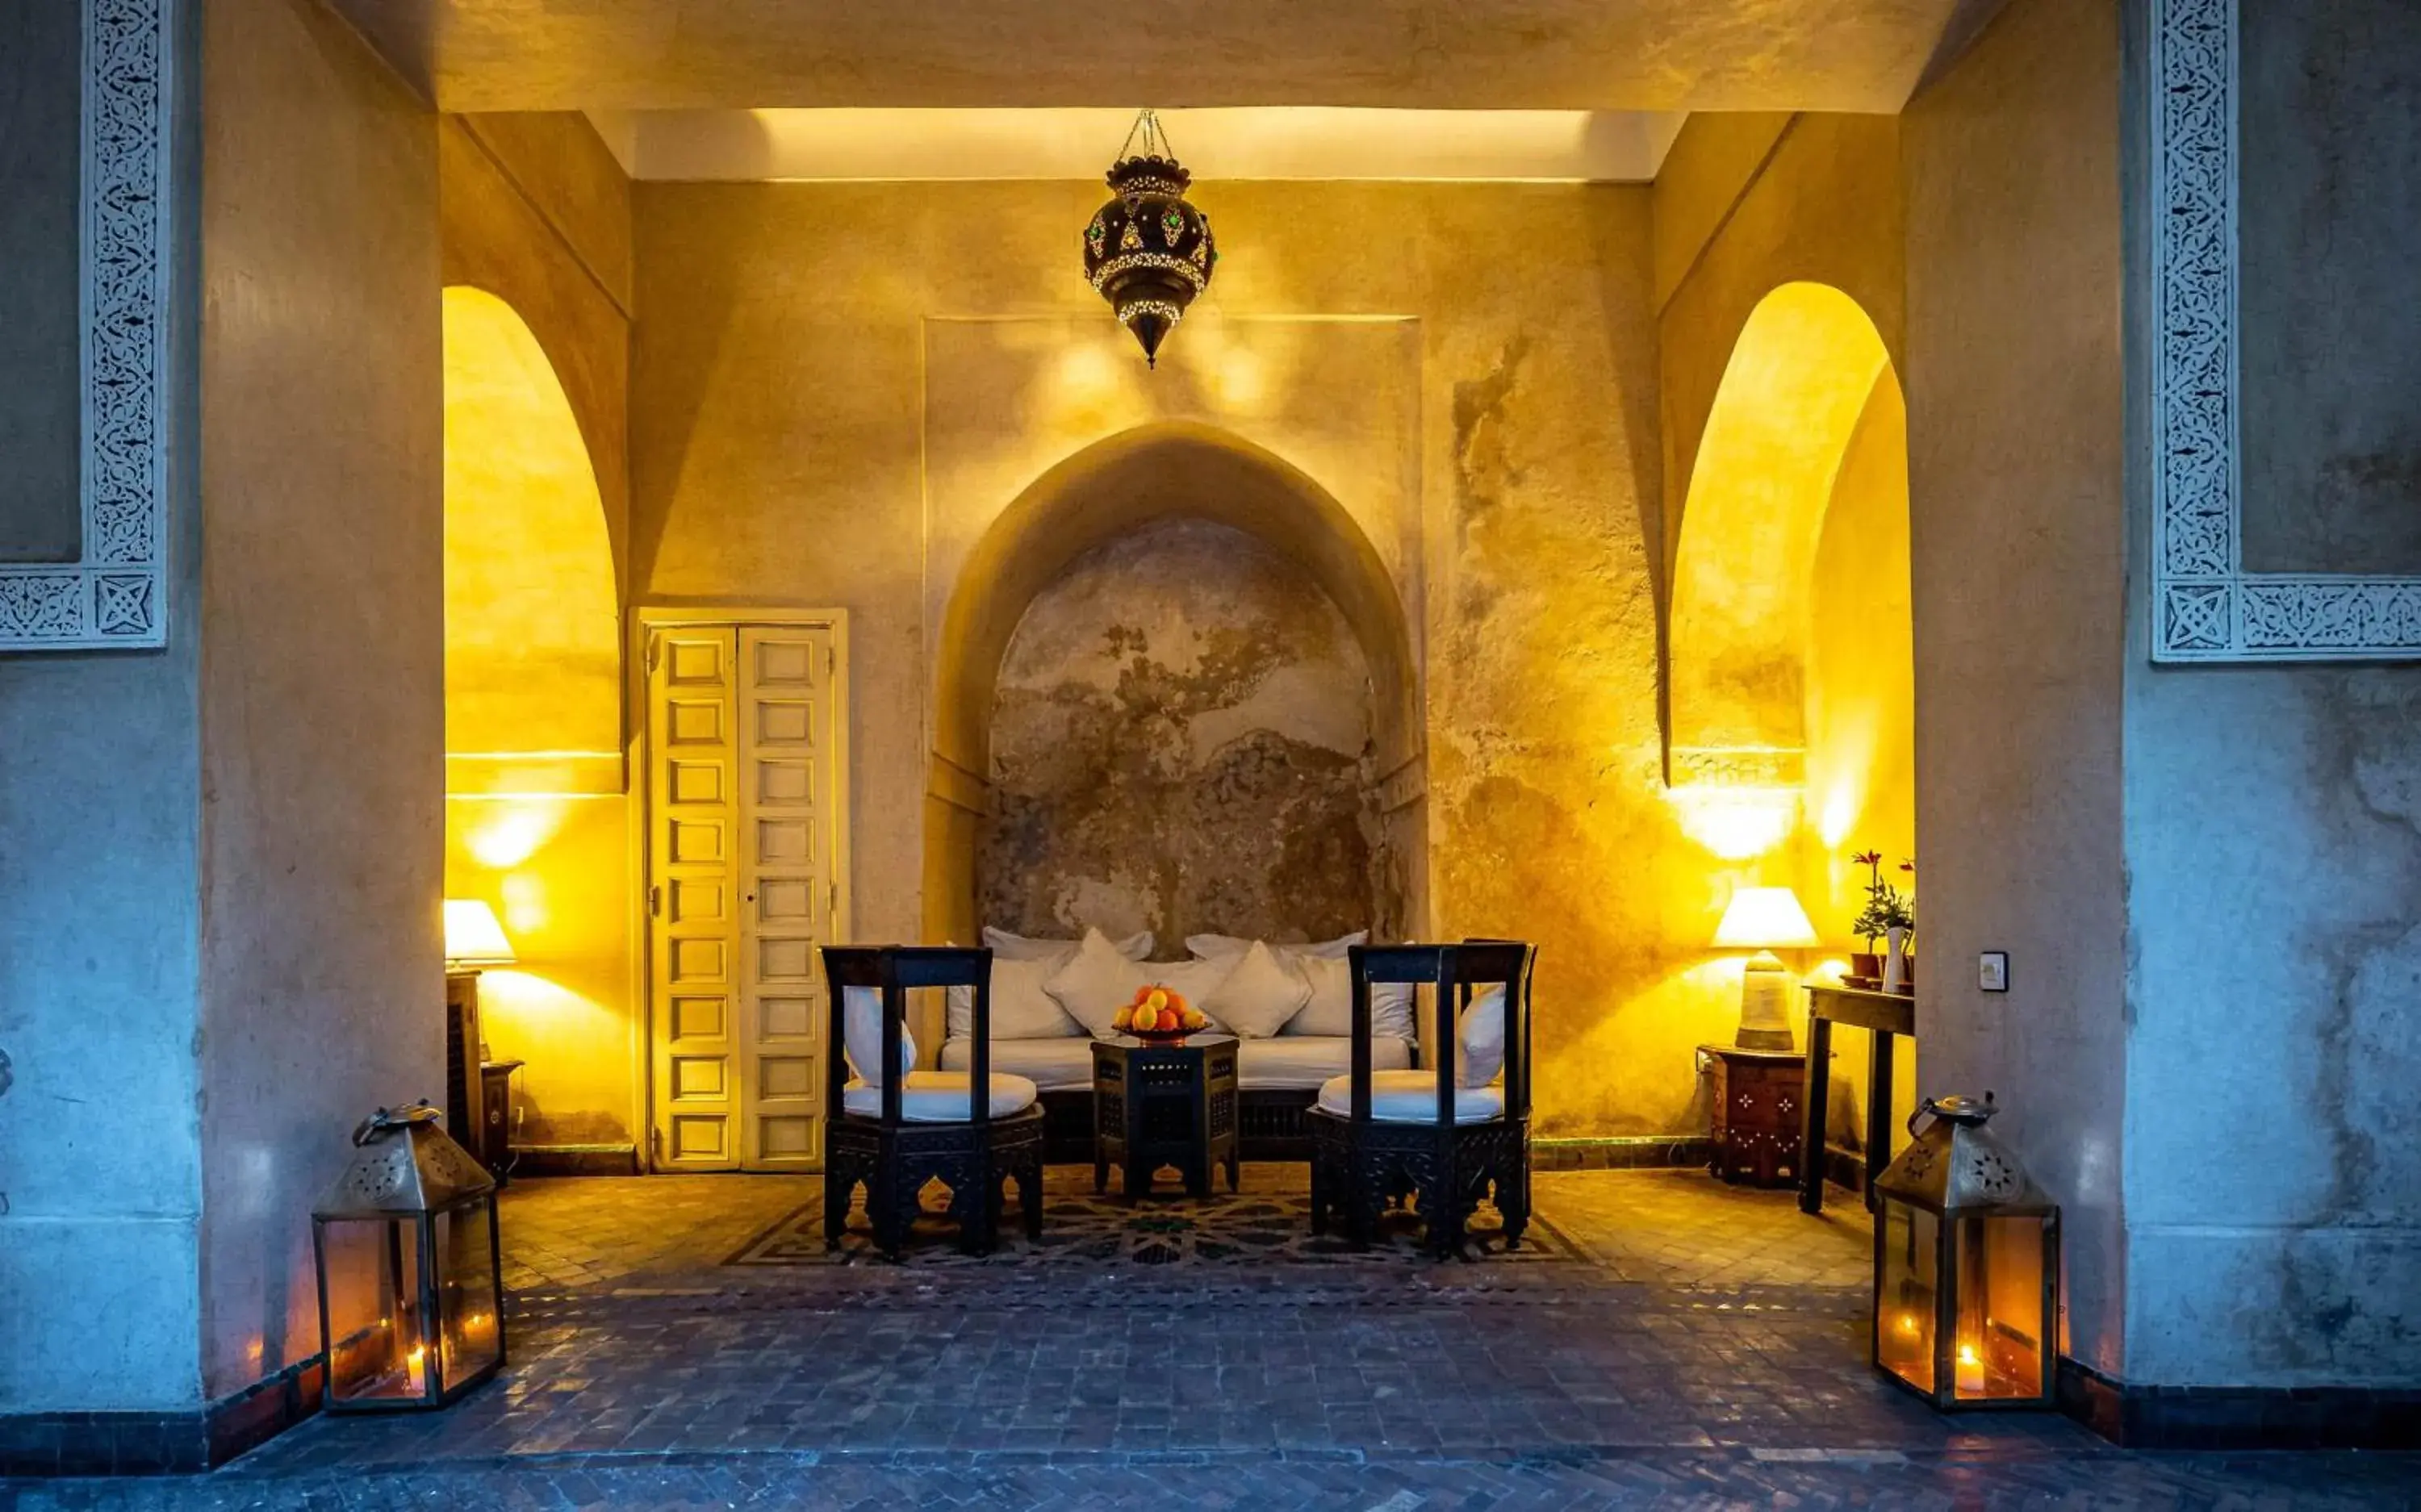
{"points": [[1156, 1105], [1884, 1015], [1756, 1113]]}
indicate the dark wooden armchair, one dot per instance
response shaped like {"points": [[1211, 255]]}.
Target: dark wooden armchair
{"points": [[890, 1129], [1382, 1136]]}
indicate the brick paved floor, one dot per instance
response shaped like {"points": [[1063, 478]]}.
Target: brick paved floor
{"points": [[1707, 1350]]}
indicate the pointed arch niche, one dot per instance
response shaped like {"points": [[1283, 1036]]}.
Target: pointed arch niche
{"points": [[1151, 478], [537, 814], [1791, 726]]}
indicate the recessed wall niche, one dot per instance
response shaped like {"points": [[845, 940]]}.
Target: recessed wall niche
{"points": [[2330, 116], [41, 179], [1181, 743]]}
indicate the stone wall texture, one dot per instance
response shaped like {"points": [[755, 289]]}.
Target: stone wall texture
{"points": [[1181, 743]]}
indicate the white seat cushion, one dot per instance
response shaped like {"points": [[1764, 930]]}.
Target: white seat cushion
{"points": [[1410, 1097], [862, 1035], [939, 1097], [1061, 1065], [1302, 1062]]}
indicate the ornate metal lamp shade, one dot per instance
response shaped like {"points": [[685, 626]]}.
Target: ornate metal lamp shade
{"points": [[1148, 251]]}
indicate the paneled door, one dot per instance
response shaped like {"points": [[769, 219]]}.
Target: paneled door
{"points": [[747, 857]]}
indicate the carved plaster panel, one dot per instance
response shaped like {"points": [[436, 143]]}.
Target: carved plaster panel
{"points": [[117, 594], [2205, 606]]}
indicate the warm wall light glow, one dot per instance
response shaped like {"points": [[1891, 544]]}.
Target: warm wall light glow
{"points": [[503, 833], [1764, 918], [1736, 823], [473, 937], [1800, 376]]}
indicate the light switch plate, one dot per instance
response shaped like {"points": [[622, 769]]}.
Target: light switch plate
{"points": [[1993, 970]]}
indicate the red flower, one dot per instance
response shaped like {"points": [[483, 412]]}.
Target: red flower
{"points": [[1869, 858]]}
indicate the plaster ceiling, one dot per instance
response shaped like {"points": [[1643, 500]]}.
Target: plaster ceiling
{"points": [[1321, 142], [1464, 55]]}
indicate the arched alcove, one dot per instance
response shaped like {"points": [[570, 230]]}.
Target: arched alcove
{"points": [[533, 636], [536, 816], [1131, 483], [1805, 369]]}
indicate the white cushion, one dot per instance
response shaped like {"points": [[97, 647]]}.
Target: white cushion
{"points": [[1479, 1038], [1410, 1097], [1061, 1065], [1231, 944], [939, 1097], [1097, 982], [1259, 994], [1331, 1009], [1021, 1008], [862, 1035], [1008, 946], [1303, 1062], [1283, 1063]]}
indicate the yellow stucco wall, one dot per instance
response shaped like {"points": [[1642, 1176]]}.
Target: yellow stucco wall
{"points": [[783, 402]]}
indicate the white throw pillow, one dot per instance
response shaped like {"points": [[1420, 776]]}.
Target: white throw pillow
{"points": [[1008, 946], [1097, 982], [1330, 1012], [1261, 994], [1209, 945], [862, 1030], [1021, 1008], [1480, 1038]]}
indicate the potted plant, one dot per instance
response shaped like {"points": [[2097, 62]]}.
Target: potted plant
{"points": [[1887, 914]]}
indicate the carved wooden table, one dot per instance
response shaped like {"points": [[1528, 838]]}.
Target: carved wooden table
{"points": [[1885, 1015], [1156, 1105], [1757, 1097]]}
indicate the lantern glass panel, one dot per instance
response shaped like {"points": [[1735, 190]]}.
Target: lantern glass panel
{"points": [[1999, 1345], [467, 1304], [1906, 1303], [378, 1337]]}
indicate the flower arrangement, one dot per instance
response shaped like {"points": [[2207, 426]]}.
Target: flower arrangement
{"points": [[1159, 1013], [1886, 907]]}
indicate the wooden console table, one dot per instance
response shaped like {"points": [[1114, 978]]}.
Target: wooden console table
{"points": [[1885, 1014]]}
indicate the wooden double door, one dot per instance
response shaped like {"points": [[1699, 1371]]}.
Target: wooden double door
{"points": [[748, 878]]}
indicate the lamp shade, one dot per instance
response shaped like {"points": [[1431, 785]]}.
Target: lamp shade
{"points": [[473, 937], [1765, 918]]}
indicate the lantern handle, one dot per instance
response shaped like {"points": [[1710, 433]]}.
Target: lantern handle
{"points": [[387, 1118], [1967, 1110]]}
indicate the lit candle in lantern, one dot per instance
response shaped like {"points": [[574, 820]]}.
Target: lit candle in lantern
{"points": [[1970, 1371], [416, 1369]]}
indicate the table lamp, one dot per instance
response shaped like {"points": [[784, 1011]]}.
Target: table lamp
{"points": [[1764, 919], [474, 937]]}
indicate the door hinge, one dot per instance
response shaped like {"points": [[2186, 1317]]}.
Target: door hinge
{"points": [[832, 911], [832, 660], [655, 649], [655, 1146], [655, 902]]}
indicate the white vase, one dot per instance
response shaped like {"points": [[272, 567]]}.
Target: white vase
{"points": [[1896, 961]]}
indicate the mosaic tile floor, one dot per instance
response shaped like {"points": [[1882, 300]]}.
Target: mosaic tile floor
{"points": [[1703, 1346]]}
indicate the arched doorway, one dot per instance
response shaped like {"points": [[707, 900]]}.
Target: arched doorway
{"points": [[1305, 596], [536, 814], [1792, 679]]}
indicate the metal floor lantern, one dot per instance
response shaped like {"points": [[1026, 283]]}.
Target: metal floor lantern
{"points": [[1966, 1266], [411, 1282]]}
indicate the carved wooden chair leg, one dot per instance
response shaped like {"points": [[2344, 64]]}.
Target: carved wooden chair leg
{"points": [[841, 1183], [891, 1201], [1513, 1200]]}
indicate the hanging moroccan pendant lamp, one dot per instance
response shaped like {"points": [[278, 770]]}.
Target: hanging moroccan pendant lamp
{"points": [[1148, 252]]}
